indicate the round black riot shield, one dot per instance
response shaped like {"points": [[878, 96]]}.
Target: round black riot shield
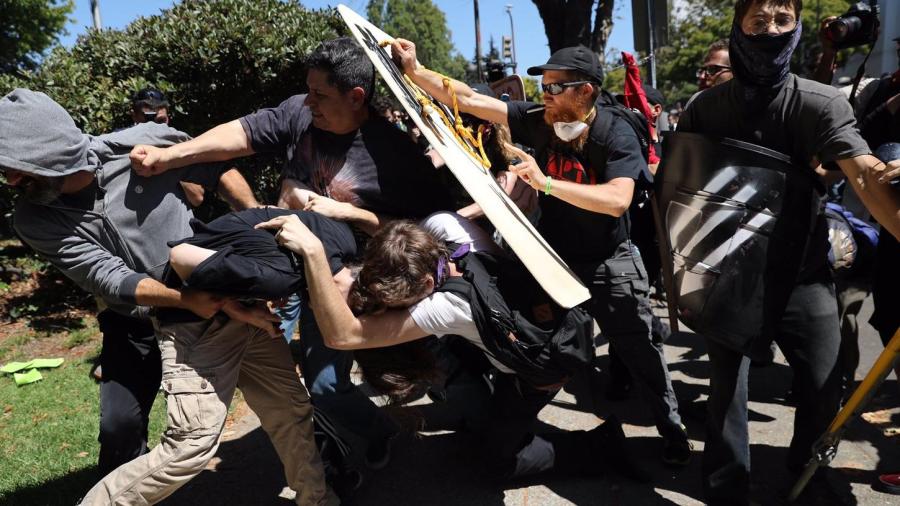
{"points": [[737, 220]]}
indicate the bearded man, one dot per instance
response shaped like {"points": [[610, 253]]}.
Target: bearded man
{"points": [[584, 206]]}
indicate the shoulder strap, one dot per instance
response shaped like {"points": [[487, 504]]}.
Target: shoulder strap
{"points": [[492, 316]]}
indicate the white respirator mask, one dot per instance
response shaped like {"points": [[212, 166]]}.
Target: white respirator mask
{"points": [[571, 130]]}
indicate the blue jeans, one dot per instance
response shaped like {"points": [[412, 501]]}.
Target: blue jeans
{"points": [[326, 373], [290, 315]]}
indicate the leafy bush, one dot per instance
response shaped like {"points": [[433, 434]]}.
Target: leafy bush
{"points": [[216, 60]]}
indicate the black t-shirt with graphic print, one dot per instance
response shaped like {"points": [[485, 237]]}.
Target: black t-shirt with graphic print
{"points": [[377, 167], [579, 236]]}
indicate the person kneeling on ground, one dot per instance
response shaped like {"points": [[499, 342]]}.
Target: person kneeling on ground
{"points": [[399, 299]]}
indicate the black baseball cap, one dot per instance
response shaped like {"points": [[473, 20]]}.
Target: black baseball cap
{"points": [[151, 97], [654, 96], [578, 58]]}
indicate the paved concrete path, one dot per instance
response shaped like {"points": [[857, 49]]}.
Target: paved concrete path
{"points": [[446, 468]]}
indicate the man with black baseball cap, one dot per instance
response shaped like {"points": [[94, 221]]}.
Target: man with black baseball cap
{"points": [[578, 58], [584, 203], [149, 104]]}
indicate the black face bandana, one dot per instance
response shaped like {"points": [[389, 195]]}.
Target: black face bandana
{"points": [[762, 61]]}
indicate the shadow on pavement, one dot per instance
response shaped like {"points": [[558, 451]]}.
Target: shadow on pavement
{"points": [[64, 490], [247, 471]]}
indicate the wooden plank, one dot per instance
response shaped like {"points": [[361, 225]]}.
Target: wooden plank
{"points": [[544, 264]]}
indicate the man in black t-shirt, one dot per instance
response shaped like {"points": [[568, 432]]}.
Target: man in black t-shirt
{"points": [[583, 207], [343, 161], [813, 124]]}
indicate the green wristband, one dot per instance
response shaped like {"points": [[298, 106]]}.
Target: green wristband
{"points": [[547, 186]]}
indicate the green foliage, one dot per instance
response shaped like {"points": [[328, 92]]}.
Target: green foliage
{"points": [[422, 22], [701, 22], [28, 28], [614, 81], [533, 91], [216, 60]]}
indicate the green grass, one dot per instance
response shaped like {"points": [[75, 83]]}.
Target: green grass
{"points": [[48, 436], [8, 346], [82, 335]]}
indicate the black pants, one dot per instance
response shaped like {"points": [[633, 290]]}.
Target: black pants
{"points": [[620, 304], [885, 295], [502, 412], [810, 338], [132, 371]]}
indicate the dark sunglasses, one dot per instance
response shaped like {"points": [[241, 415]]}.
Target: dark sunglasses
{"points": [[712, 70], [557, 88]]}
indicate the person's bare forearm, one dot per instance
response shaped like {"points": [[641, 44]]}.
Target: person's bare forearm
{"points": [[608, 198], [881, 199], [367, 221], [150, 292], [234, 190], [467, 99], [471, 212], [218, 144], [433, 84], [339, 327]]}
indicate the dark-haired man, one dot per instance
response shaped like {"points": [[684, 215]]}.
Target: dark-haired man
{"points": [[715, 70], [716, 67], [811, 123], [149, 104], [583, 206], [345, 161]]}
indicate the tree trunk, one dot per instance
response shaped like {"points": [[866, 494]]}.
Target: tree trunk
{"points": [[568, 23], [603, 25]]}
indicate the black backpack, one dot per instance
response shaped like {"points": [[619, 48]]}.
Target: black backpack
{"points": [[609, 110], [549, 347]]}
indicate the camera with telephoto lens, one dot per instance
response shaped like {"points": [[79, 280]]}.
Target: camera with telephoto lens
{"points": [[857, 27]]}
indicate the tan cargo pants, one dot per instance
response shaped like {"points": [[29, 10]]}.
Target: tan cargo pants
{"points": [[202, 363]]}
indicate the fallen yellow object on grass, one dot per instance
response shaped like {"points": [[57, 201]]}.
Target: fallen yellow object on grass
{"points": [[31, 376], [14, 367], [31, 367], [37, 363]]}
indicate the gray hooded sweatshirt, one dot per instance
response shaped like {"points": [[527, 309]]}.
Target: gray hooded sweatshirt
{"points": [[113, 233]]}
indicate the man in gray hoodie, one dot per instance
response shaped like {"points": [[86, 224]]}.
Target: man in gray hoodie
{"points": [[107, 229]]}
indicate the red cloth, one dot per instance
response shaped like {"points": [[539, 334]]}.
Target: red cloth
{"points": [[635, 97]]}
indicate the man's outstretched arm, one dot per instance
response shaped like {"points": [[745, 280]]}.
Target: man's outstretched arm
{"points": [[221, 143], [469, 101]]}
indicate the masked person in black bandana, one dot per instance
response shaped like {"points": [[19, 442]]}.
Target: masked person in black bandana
{"points": [[813, 124]]}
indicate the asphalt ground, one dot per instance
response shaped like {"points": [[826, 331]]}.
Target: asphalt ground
{"points": [[447, 468]]}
